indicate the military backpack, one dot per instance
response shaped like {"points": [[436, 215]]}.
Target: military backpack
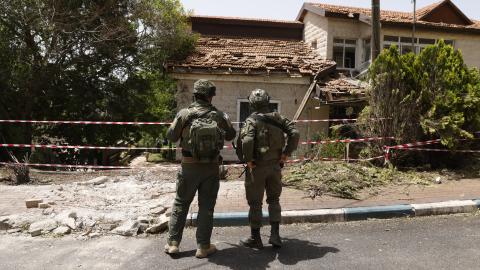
{"points": [[206, 138]]}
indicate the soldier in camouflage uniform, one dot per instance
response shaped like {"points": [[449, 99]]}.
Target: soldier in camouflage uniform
{"points": [[196, 174], [264, 150]]}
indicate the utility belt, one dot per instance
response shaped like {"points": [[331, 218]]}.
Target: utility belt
{"points": [[187, 157]]}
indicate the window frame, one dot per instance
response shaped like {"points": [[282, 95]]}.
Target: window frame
{"points": [[240, 100], [417, 46], [344, 45]]}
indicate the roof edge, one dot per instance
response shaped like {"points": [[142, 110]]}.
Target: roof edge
{"points": [[309, 7]]}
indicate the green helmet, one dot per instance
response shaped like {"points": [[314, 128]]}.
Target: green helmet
{"points": [[204, 88], [259, 98]]}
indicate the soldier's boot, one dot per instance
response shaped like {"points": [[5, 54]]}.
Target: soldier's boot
{"points": [[172, 247], [275, 239], [205, 252], [254, 241]]}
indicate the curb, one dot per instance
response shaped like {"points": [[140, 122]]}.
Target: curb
{"points": [[349, 214]]}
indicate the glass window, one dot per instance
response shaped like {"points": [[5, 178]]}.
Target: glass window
{"points": [[350, 42], [314, 44], [426, 41], [390, 38], [349, 57], [367, 50], [406, 49], [338, 55], [344, 52], [449, 42]]}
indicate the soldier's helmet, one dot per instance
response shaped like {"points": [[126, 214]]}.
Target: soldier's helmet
{"points": [[204, 88], [259, 98]]}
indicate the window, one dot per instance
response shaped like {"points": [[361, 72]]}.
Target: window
{"points": [[243, 109], [344, 52], [367, 50], [404, 44], [314, 44]]}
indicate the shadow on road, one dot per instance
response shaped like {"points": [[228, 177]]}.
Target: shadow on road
{"points": [[292, 252]]}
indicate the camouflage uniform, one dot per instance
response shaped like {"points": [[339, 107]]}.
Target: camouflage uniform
{"points": [[266, 175], [196, 175]]}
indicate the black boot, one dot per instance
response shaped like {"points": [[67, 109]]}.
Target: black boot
{"points": [[254, 241], [275, 239]]}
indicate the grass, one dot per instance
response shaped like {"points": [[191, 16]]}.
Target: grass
{"points": [[346, 180]]}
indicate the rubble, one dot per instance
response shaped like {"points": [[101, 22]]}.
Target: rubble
{"points": [[61, 230], [33, 203], [41, 227], [159, 226], [124, 206], [128, 228]]}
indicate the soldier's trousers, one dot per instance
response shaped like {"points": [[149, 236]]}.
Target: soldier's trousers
{"points": [[264, 177], [192, 177]]}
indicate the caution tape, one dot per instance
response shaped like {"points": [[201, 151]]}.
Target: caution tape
{"points": [[91, 147], [409, 145], [349, 140], [101, 167], [83, 122], [440, 150], [66, 166], [57, 122]]}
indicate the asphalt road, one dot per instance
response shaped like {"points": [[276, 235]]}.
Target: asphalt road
{"points": [[442, 242]]}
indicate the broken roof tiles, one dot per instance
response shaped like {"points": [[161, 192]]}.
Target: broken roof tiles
{"points": [[251, 55], [399, 17]]}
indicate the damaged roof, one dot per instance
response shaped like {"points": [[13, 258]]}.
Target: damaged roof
{"points": [[428, 16], [340, 88], [243, 55]]}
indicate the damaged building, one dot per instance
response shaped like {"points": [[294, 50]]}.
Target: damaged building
{"points": [[240, 55]]}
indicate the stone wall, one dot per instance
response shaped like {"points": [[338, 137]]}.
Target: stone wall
{"points": [[316, 29]]}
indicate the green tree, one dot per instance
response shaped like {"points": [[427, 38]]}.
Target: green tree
{"points": [[90, 60], [430, 95]]}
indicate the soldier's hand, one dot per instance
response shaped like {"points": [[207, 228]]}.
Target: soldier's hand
{"points": [[251, 164], [283, 158]]}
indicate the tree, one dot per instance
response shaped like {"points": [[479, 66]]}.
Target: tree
{"points": [[91, 60], [432, 95]]}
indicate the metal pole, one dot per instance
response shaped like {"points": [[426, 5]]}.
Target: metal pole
{"points": [[375, 29], [414, 21]]}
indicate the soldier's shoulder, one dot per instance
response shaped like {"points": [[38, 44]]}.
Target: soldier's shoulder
{"points": [[183, 113]]}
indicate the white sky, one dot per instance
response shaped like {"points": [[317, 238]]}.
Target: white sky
{"points": [[288, 9]]}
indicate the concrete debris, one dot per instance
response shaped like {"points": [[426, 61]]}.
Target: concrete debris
{"points": [[41, 227], [43, 205], [62, 230], [96, 181], [70, 222], [128, 228], [16, 230], [4, 223], [33, 203], [438, 180], [48, 211], [158, 211], [159, 226], [142, 219]]}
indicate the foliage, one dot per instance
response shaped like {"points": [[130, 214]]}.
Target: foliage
{"points": [[347, 180], [430, 95], [89, 60]]}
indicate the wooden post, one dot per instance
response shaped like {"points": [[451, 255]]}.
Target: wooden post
{"points": [[375, 29]]}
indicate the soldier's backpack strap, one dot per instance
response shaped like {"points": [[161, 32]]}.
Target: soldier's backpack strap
{"points": [[270, 121]]}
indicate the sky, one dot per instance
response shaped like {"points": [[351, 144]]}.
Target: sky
{"points": [[288, 9]]}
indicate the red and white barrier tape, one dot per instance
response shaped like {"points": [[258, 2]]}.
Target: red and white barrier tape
{"points": [[56, 122], [66, 166], [292, 161], [409, 145], [441, 150], [50, 146], [84, 122], [350, 140]]}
